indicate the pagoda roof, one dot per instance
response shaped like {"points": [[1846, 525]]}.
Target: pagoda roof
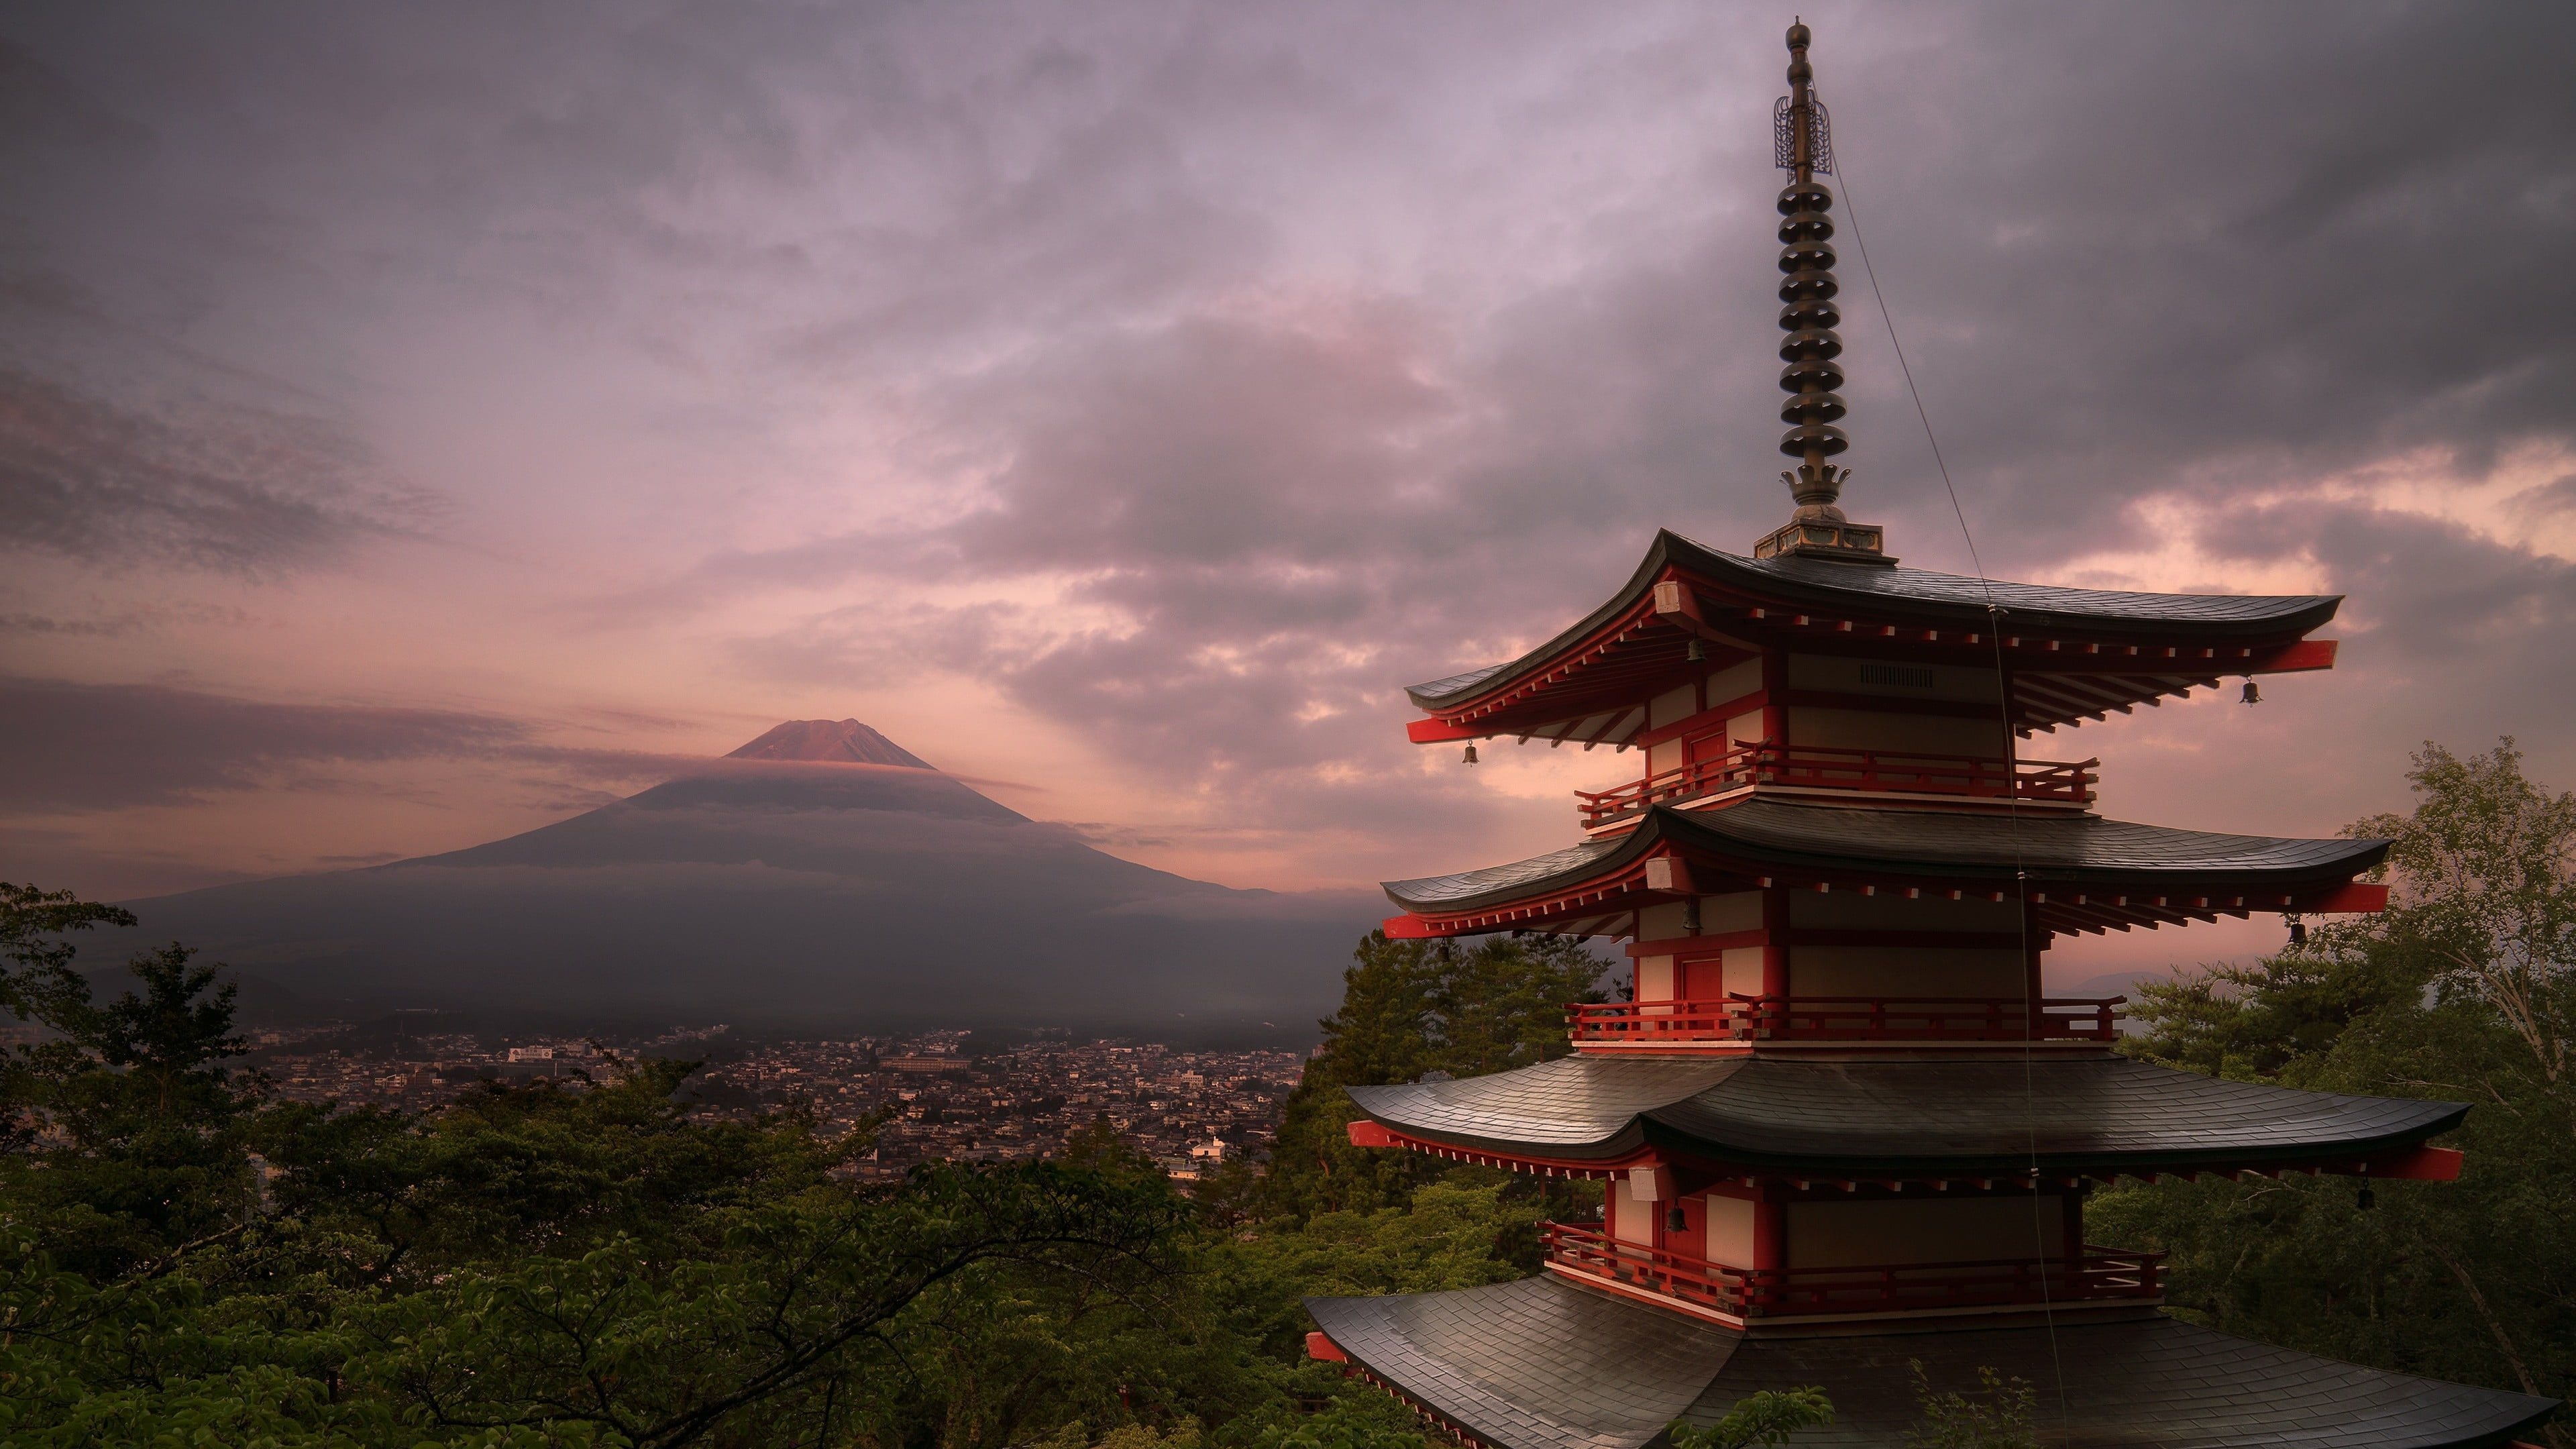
{"points": [[1771, 838], [1964, 1117], [2129, 647], [1546, 1364]]}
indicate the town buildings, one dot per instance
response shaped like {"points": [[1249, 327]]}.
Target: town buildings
{"points": [[933, 1095], [1842, 1129]]}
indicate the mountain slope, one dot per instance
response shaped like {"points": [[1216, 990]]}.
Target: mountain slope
{"points": [[820, 875]]}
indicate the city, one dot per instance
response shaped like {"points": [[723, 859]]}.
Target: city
{"points": [[943, 1094]]}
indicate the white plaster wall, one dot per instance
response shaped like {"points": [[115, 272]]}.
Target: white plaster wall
{"points": [[1863, 1231], [1654, 978], [1922, 734], [1736, 911], [1734, 681], [1631, 1221], [1730, 1230], [1906, 971], [1671, 706]]}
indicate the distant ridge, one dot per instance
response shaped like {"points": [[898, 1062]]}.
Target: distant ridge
{"points": [[836, 741], [887, 897]]}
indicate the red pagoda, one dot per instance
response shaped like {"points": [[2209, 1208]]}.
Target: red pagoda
{"points": [[1842, 1128]]}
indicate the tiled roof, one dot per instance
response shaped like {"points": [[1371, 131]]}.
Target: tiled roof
{"points": [[1968, 1116], [1502, 881], [1544, 1364], [1533, 1363], [2056, 847], [2150, 1381], [1870, 589], [2022, 601]]}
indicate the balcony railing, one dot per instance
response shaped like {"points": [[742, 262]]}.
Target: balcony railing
{"points": [[2048, 782], [2094, 1275], [1846, 1018]]}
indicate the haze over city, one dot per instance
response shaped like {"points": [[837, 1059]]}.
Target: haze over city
{"points": [[427, 425]]}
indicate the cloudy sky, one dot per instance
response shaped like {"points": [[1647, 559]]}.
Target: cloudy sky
{"points": [[419, 423]]}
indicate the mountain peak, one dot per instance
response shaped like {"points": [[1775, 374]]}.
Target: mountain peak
{"points": [[843, 741]]}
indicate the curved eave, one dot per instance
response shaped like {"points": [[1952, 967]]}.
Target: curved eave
{"points": [[1647, 1138], [2142, 874], [2188, 640], [1903, 1119]]}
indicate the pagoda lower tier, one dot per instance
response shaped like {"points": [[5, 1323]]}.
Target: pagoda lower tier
{"points": [[1767, 1193], [1548, 1363]]}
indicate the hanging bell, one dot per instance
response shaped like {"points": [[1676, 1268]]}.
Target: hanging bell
{"points": [[2366, 1200], [1471, 754], [1675, 1221], [1697, 652], [2298, 932], [2253, 694]]}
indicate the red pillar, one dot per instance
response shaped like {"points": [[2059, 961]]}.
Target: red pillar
{"points": [[1775, 942], [2037, 936], [1775, 695]]}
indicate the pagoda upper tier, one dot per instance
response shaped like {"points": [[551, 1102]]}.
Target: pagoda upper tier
{"points": [[2067, 655]]}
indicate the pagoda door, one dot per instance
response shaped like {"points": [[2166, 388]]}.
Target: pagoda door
{"points": [[1703, 978], [1708, 757]]}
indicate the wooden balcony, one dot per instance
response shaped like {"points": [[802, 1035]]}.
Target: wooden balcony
{"points": [[1882, 772], [2095, 1275], [1844, 1018]]}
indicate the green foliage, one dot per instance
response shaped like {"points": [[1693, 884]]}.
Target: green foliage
{"points": [[1997, 1415], [2463, 990], [1766, 1418], [1410, 1008], [129, 1135], [184, 1260], [37, 974], [1447, 1235]]}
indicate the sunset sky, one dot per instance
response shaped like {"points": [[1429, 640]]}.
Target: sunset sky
{"points": [[418, 423]]}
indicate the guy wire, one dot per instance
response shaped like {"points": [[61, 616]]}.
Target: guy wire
{"points": [[2012, 797]]}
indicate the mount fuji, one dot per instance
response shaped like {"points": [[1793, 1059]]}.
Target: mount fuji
{"points": [[819, 875]]}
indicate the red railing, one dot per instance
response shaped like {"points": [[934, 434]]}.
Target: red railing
{"points": [[2094, 1275], [2056, 782], [1846, 1018]]}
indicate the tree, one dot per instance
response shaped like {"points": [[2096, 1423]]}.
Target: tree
{"points": [[555, 1263], [1410, 1008], [2489, 899], [1996, 1416], [129, 1138], [2461, 990], [1767, 1418], [38, 974]]}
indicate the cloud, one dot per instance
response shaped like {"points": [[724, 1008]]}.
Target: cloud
{"points": [[1192, 378], [71, 747], [227, 489], [2158, 276], [66, 746]]}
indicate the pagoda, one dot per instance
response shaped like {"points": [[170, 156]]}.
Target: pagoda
{"points": [[1841, 1127]]}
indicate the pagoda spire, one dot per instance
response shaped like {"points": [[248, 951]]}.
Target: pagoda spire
{"points": [[1802, 145]]}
